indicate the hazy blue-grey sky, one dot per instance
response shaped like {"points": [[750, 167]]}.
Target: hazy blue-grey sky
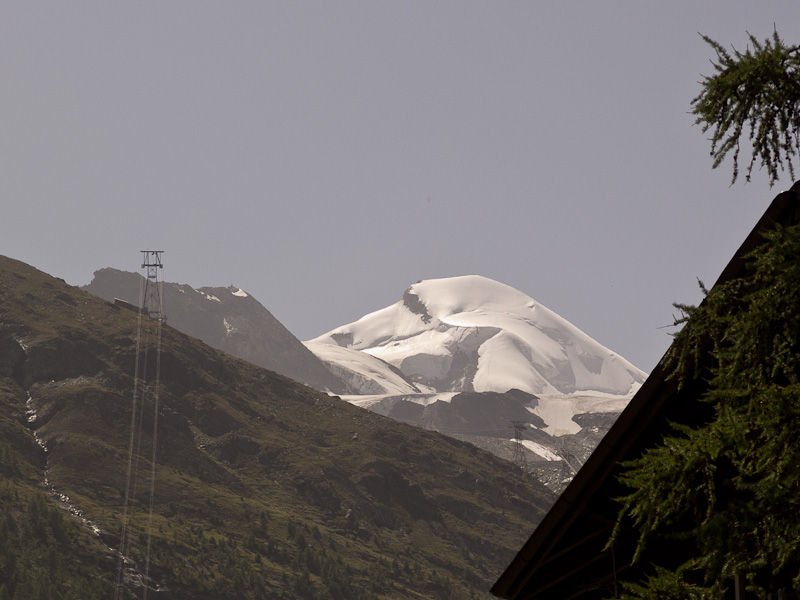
{"points": [[325, 155]]}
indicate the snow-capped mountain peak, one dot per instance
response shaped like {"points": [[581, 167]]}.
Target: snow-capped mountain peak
{"points": [[471, 333]]}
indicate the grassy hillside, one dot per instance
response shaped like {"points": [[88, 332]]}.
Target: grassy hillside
{"points": [[264, 488]]}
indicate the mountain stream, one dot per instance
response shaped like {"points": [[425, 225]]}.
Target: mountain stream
{"points": [[62, 498]]}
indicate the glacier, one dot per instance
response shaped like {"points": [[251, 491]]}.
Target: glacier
{"points": [[471, 333]]}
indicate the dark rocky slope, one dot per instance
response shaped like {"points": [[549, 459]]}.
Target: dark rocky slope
{"points": [[264, 488]]}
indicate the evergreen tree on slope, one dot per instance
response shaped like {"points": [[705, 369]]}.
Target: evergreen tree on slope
{"points": [[730, 489]]}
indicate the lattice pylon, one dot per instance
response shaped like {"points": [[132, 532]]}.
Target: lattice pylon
{"points": [[518, 455], [151, 299]]}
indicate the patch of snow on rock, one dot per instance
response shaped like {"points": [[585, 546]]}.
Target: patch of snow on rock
{"points": [[536, 448], [208, 296], [229, 329]]}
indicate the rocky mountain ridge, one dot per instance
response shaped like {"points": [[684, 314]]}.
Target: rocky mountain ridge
{"points": [[229, 319]]}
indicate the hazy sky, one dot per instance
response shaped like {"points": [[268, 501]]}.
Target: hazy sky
{"points": [[326, 155]]}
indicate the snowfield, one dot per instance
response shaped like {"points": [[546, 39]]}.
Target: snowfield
{"points": [[473, 358], [471, 333], [363, 372], [557, 411]]}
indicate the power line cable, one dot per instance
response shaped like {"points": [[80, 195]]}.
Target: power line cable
{"points": [[126, 501], [151, 307], [156, 390]]}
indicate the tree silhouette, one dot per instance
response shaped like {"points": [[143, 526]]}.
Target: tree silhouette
{"points": [[757, 93]]}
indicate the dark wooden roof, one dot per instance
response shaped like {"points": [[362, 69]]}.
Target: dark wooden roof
{"points": [[564, 557]]}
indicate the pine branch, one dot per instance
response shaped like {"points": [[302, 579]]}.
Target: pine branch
{"points": [[757, 90]]}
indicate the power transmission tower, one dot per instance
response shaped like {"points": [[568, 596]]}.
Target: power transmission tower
{"points": [[151, 298], [518, 457]]}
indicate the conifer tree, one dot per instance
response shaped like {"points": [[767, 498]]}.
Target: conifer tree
{"points": [[754, 93], [730, 488]]}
